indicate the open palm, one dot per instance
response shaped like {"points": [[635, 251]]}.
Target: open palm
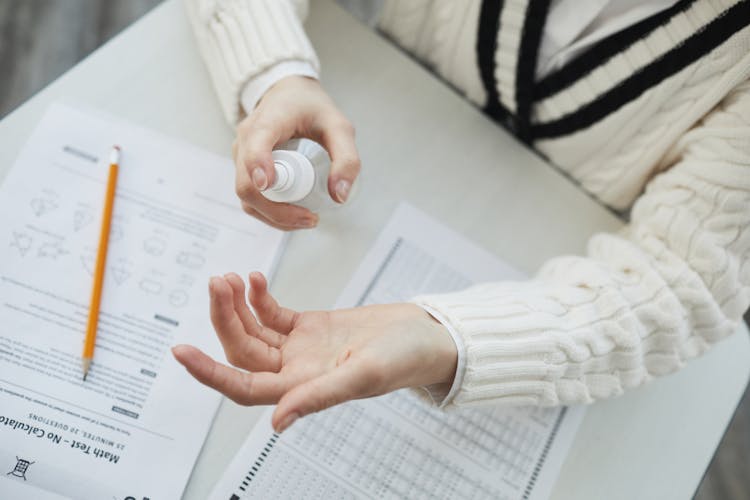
{"points": [[309, 361]]}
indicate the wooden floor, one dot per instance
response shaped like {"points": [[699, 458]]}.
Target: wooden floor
{"points": [[41, 39]]}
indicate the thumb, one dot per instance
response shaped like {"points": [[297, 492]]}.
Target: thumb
{"points": [[344, 383], [253, 158], [338, 139]]}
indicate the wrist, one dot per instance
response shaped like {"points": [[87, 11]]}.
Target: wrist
{"points": [[261, 84], [444, 350], [447, 355], [291, 81]]}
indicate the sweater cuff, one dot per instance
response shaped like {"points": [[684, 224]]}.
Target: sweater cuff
{"points": [[241, 39], [441, 395], [259, 85], [512, 348]]}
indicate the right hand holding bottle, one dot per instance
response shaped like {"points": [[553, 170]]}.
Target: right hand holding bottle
{"points": [[295, 106]]}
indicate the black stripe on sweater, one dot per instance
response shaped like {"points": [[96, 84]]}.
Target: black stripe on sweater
{"points": [[489, 25], [602, 52], [536, 15], [692, 49]]}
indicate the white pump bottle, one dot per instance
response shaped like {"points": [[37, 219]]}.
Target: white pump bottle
{"points": [[302, 168]]}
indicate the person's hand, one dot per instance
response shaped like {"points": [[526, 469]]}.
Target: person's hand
{"points": [[295, 106], [309, 361]]}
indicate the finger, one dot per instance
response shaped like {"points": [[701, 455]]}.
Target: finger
{"points": [[270, 313], [254, 160], [241, 387], [307, 221], [248, 321], [254, 172], [346, 382], [248, 209], [241, 349], [337, 137], [251, 325]]}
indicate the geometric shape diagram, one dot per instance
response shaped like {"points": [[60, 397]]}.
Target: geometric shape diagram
{"points": [[178, 298], [88, 260], [22, 242], [190, 260], [186, 280], [51, 250], [43, 204], [120, 270], [154, 245], [120, 274], [115, 232], [82, 217], [150, 286]]}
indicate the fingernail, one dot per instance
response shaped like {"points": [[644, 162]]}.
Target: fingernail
{"points": [[289, 420], [259, 179], [342, 190], [311, 222]]}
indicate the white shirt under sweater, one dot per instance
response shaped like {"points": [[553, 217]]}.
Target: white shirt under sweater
{"points": [[641, 302]]}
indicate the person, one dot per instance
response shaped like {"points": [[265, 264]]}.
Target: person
{"points": [[645, 104]]}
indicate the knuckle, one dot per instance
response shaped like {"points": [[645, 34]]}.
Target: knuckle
{"points": [[343, 125], [245, 190], [352, 162], [240, 399], [348, 164], [337, 125], [247, 387], [247, 159]]}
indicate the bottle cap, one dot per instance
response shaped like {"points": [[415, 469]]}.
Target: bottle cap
{"points": [[295, 177]]}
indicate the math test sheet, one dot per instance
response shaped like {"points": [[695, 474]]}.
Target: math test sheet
{"points": [[135, 427], [396, 446]]}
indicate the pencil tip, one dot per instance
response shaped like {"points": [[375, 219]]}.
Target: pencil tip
{"points": [[86, 367]]}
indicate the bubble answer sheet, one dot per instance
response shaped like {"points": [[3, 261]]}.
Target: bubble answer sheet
{"points": [[396, 446], [135, 427]]}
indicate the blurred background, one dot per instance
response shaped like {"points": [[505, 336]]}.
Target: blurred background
{"points": [[41, 39]]}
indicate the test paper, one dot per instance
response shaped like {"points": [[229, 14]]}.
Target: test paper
{"points": [[396, 446], [135, 427]]}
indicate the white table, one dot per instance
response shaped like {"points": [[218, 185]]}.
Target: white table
{"points": [[420, 142]]}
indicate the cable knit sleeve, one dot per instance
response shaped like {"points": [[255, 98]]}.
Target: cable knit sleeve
{"points": [[643, 302], [242, 39]]}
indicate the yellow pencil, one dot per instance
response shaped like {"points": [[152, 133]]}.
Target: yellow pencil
{"points": [[101, 260]]}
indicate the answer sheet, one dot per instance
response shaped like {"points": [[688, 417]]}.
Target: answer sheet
{"points": [[135, 427], [395, 446]]}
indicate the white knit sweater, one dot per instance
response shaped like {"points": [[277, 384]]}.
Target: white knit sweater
{"points": [[641, 302]]}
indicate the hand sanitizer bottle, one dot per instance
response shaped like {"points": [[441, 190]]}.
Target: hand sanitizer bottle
{"points": [[302, 168]]}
